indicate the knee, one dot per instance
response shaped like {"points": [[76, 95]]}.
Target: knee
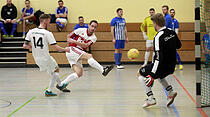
{"points": [[57, 70], [79, 74], [89, 56], [148, 49]]}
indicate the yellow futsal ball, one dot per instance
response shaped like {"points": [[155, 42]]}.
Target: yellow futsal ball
{"points": [[133, 54]]}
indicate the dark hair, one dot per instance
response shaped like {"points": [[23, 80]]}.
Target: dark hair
{"points": [[119, 9], [44, 16], [60, 1], [80, 17], [159, 19], [93, 21], [165, 6], [172, 10], [27, 1], [151, 9]]}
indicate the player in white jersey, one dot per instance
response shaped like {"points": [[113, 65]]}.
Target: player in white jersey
{"points": [[79, 40], [38, 39]]}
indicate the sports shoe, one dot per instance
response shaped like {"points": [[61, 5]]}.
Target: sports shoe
{"points": [[63, 87], [107, 70], [4, 36], [49, 93], [181, 67], [11, 36], [175, 69], [149, 102], [171, 98], [120, 67]]}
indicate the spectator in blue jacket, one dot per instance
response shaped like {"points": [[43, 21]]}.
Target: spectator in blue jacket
{"points": [[81, 23]]}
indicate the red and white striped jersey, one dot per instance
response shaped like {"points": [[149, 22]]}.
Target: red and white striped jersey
{"points": [[81, 35]]}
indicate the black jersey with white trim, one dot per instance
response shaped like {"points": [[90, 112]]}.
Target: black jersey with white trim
{"points": [[165, 44]]}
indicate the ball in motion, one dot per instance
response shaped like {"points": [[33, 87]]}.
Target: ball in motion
{"points": [[133, 54]]}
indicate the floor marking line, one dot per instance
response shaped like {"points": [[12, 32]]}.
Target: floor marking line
{"points": [[21, 107], [199, 109], [172, 105]]}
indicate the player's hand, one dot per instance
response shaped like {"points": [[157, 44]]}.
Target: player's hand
{"points": [[113, 41], [67, 49], [70, 40], [126, 40], [8, 20], [145, 36]]}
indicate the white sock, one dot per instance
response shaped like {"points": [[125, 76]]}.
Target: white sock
{"points": [[52, 83], [93, 63], [70, 78], [146, 57], [56, 75], [165, 84], [148, 90]]}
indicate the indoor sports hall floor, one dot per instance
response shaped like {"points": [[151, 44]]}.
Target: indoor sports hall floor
{"points": [[120, 94]]}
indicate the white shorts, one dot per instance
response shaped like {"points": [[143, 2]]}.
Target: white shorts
{"points": [[74, 55], [48, 64], [149, 43], [62, 20]]}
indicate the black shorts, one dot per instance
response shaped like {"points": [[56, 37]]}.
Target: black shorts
{"points": [[160, 73]]}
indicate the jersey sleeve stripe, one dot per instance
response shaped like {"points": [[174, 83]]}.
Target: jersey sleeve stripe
{"points": [[53, 44]]}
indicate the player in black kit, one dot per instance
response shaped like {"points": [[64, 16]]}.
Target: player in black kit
{"points": [[165, 44]]}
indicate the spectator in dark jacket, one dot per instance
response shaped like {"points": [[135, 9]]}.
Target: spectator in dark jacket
{"points": [[9, 15]]}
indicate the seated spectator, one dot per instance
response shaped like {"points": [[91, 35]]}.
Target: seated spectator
{"points": [[9, 15], [81, 23], [61, 15], [27, 15]]}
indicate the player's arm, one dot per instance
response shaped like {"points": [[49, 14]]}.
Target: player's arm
{"points": [[27, 44], [23, 12], [126, 35], [71, 40], [158, 55], [60, 49], [178, 42], [65, 13], [143, 26], [56, 13], [176, 27], [82, 44], [113, 22], [112, 33]]}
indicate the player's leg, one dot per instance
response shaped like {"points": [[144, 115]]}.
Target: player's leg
{"points": [[3, 29], [169, 89], [179, 61], [53, 69], [119, 46], [93, 63], [14, 22], [63, 23], [142, 74], [24, 26], [58, 23], [78, 72], [149, 46]]}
